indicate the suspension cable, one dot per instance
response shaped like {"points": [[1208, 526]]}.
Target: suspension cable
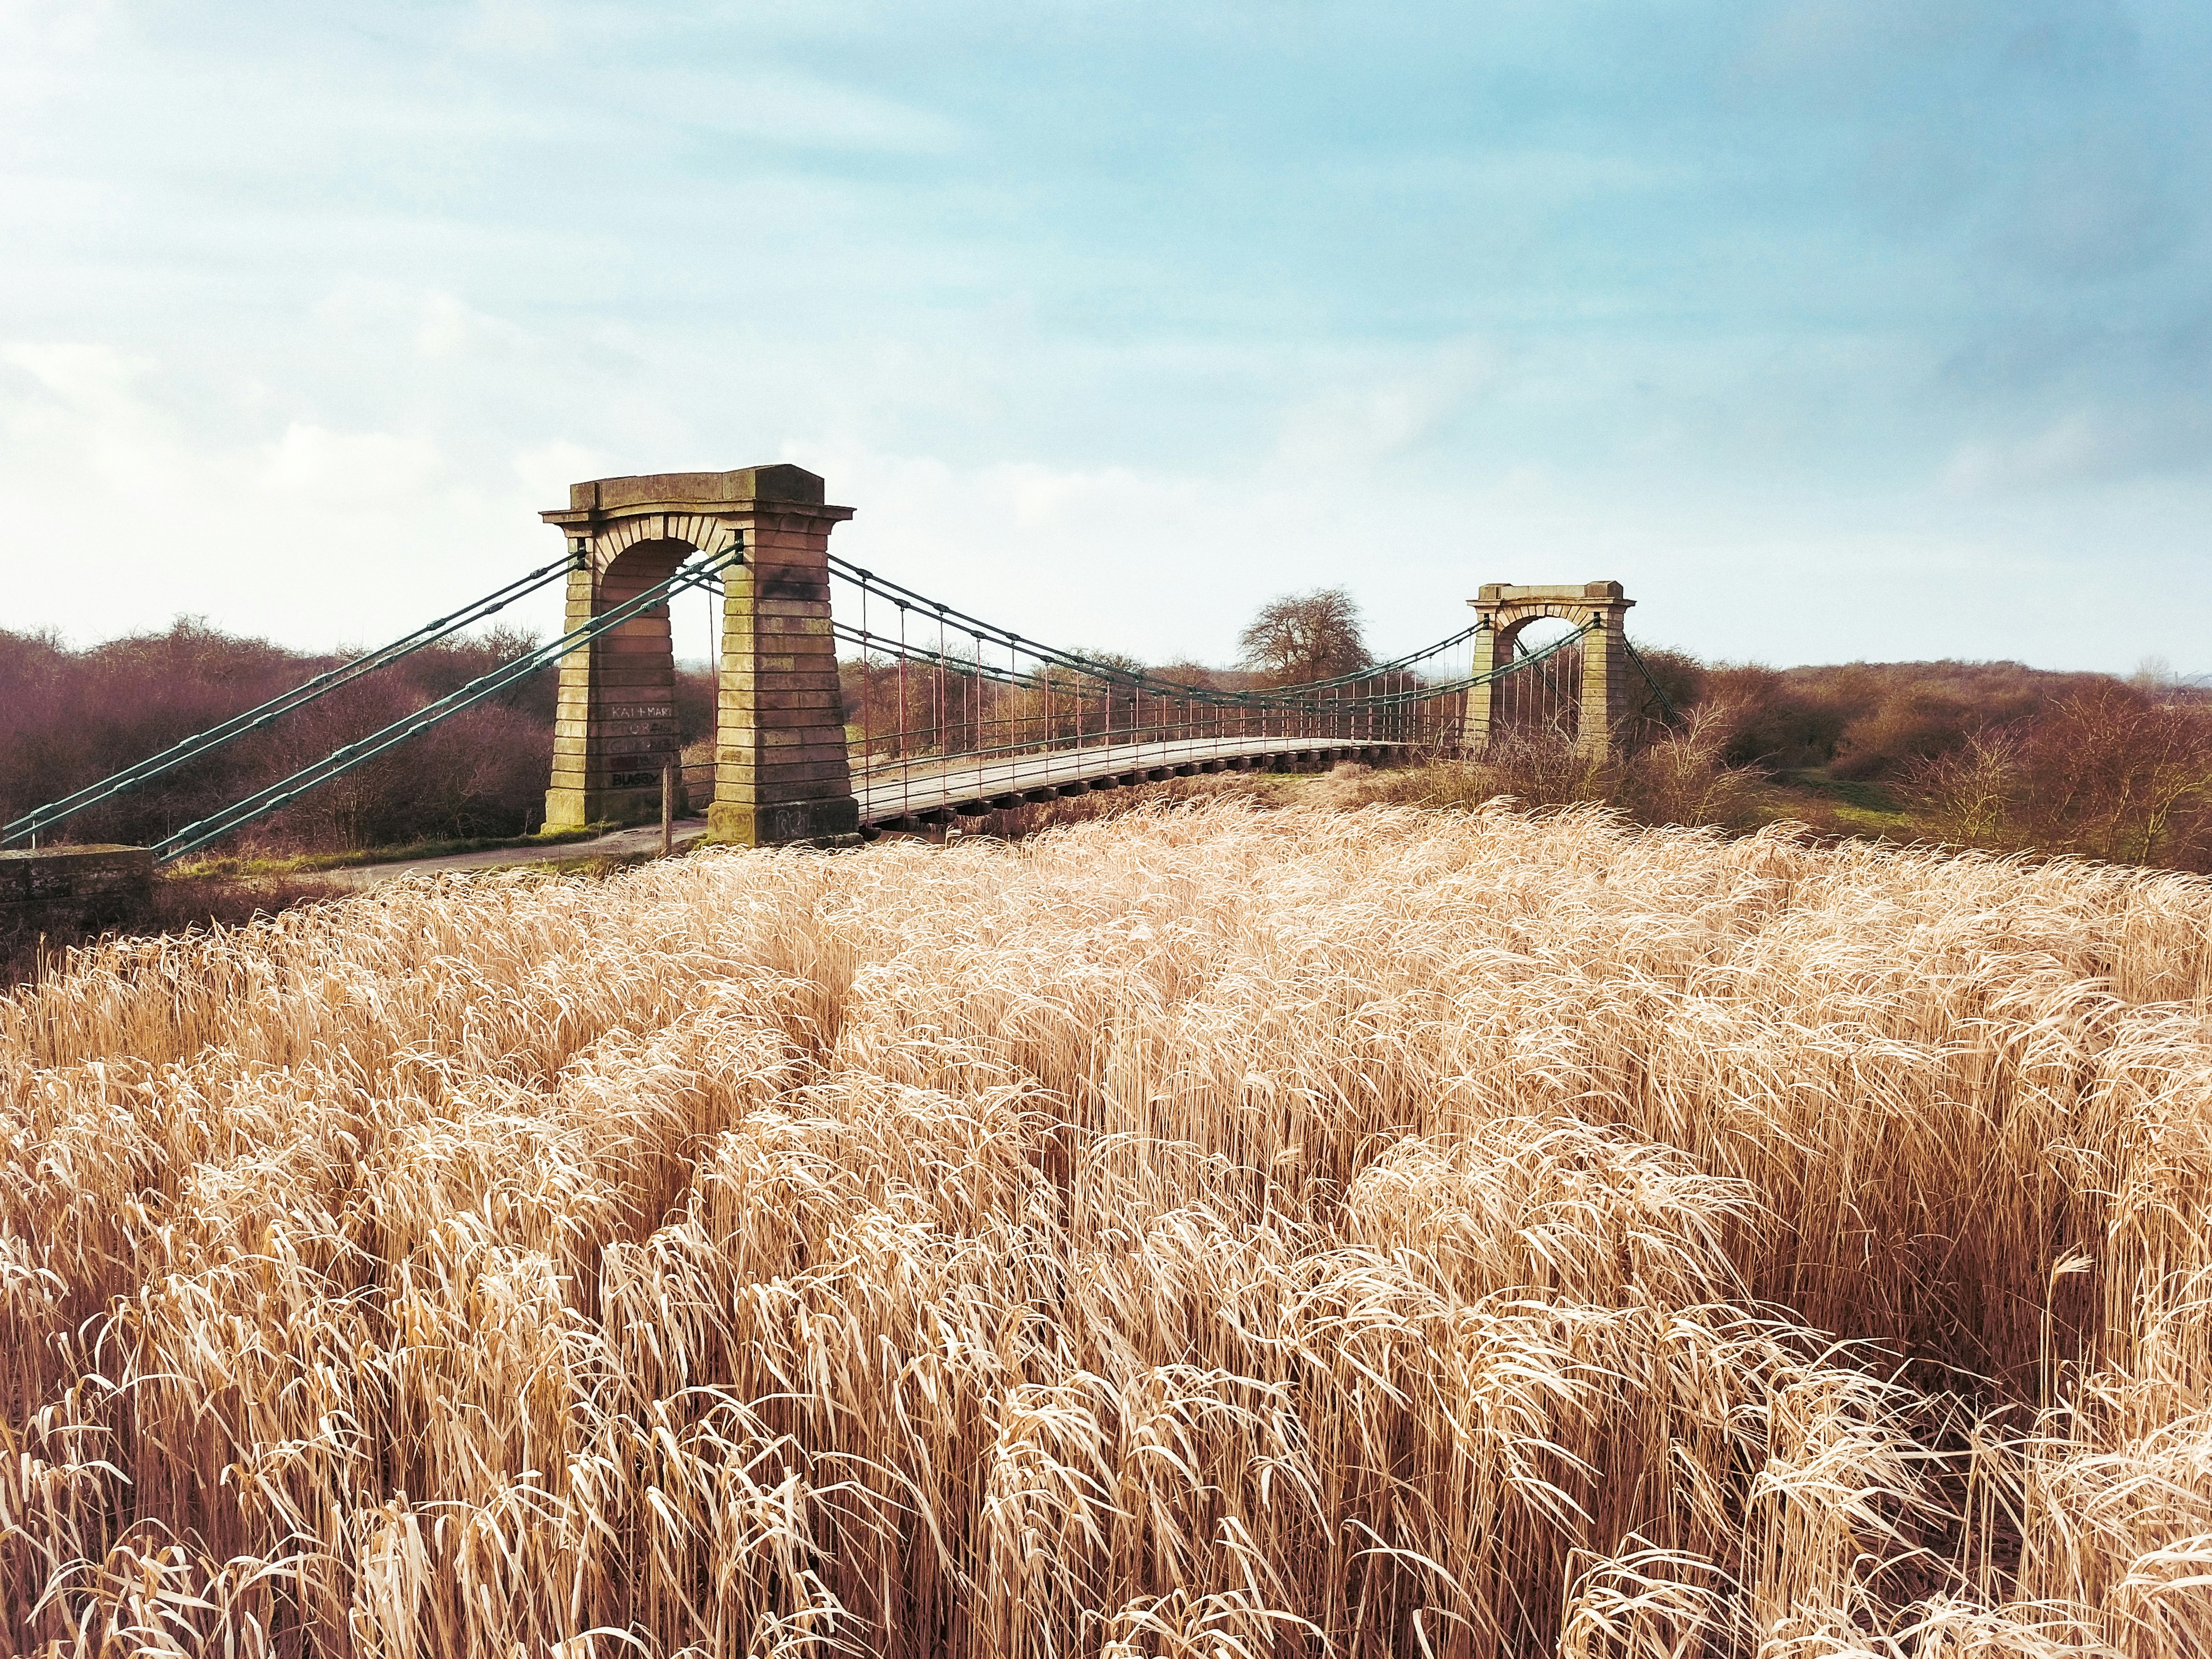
{"points": [[1657, 690], [1082, 663], [1400, 706], [935, 661], [339, 762], [41, 818]]}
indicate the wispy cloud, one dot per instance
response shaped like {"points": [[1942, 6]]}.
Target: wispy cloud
{"points": [[2085, 447], [1808, 287]]}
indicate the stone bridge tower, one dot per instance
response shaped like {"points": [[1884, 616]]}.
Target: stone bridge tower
{"points": [[780, 770], [1503, 609]]}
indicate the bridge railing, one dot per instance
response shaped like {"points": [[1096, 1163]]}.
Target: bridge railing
{"points": [[930, 690], [937, 702]]}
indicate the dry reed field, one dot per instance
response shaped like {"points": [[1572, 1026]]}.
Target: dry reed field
{"points": [[1206, 1232]]}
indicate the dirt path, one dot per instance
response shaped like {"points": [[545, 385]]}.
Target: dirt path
{"points": [[619, 844]]}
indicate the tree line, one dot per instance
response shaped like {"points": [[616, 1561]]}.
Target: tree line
{"points": [[1993, 754]]}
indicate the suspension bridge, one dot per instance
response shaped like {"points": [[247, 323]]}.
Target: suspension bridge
{"points": [[849, 704]]}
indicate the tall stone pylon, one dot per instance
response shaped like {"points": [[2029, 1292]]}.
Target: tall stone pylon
{"points": [[780, 773], [1504, 609]]}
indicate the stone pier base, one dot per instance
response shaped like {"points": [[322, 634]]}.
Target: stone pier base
{"points": [[775, 825], [75, 889]]}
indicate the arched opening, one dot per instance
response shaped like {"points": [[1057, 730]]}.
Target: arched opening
{"points": [[1575, 692], [634, 729], [1544, 699]]}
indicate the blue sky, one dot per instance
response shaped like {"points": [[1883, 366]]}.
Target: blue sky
{"points": [[1835, 328]]}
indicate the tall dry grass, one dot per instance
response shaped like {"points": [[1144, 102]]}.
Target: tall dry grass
{"points": [[1206, 1232]]}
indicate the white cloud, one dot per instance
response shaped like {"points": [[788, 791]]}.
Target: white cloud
{"points": [[2083, 446], [546, 471], [1373, 417], [429, 323], [81, 376], [83, 427], [313, 533], [54, 28], [348, 469]]}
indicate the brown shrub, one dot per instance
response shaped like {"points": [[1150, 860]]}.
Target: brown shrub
{"points": [[2111, 771], [69, 718], [1869, 720]]}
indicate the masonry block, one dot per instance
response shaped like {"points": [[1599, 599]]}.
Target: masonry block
{"points": [[768, 823]]}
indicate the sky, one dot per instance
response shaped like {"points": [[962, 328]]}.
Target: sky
{"points": [[1834, 329]]}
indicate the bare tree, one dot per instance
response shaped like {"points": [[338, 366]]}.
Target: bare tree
{"points": [[2106, 771], [1970, 794], [1305, 636], [2112, 773]]}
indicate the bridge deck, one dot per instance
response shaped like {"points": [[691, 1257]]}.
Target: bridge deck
{"points": [[887, 793]]}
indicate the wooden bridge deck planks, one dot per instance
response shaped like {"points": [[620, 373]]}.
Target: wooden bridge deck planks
{"points": [[888, 792]]}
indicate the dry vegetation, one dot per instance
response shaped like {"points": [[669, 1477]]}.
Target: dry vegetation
{"points": [[69, 718], [1207, 1232], [1991, 755]]}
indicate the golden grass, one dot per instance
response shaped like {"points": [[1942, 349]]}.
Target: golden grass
{"points": [[1207, 1232]]}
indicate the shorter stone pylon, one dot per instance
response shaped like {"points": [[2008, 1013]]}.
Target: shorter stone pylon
{"points": [[1504, 609]]}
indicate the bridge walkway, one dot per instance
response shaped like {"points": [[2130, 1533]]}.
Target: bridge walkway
{"points": [[890, 795]]}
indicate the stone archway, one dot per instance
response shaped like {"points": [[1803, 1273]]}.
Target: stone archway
{"points": [[780, 769], [1504, 609]]}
